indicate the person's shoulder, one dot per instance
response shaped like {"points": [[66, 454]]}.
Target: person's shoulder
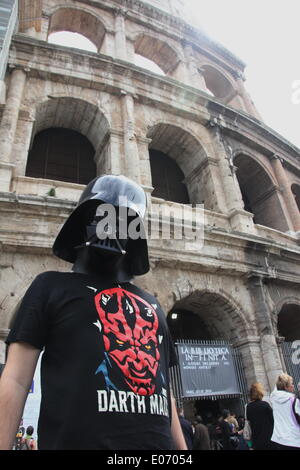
{"points": [[49, 278], [49, 275]]}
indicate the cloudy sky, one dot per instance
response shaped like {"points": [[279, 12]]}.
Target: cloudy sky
{"points": [[265, 34]]}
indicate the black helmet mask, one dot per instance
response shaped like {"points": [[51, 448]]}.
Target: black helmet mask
{"points": [[108, 224]]}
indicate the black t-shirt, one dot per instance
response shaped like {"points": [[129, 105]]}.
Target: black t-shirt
{"points": [[260, 415], [104, 372]]}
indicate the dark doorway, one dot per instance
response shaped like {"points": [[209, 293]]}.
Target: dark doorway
{"points": [[63, 155], [167, 178]]}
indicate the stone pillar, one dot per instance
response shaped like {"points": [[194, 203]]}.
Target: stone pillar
{"points": [[240, 219], [116, 164], [145, 168], [3, 336], [252, 360], [11, 113], [6, 175], [235, 100], [130, 144], [251, 108], [180, 73], [43, 34], [108, 45], [130, 49], [22, 142], [195, 76], [269, 349], [120, 35], [288, 196]]}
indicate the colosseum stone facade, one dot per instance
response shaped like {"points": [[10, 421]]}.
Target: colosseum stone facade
{"points": [[189, 135]]}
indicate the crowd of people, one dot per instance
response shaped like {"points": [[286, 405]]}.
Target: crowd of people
{"points": [[25, 440], [273, 425]]}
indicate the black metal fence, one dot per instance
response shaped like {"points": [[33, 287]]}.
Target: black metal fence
{"points": [[291, 356]]}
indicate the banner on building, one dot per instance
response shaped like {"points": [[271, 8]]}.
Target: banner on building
{"points": [[207, 370]]}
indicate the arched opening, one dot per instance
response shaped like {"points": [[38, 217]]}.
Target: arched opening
{"points": [[70, 141], [296, 192], [259, 193], [66, 38], [145, 63], [216, 82], [75, 20], [289, 322], [156, 51], [63, 155], [207, 319], [175, 156], [206, 315], [167, 178]]}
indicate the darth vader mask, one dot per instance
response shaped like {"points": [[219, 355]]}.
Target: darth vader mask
{"points": [[109, 221]]}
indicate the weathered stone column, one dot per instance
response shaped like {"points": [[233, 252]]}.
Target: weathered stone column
{"points": [[115, 163], [108, 45], [11, 113], [288, 196], [145, 168], [251, 108], [22, 142], [250, 350], [268, 344], [132, 164], [195, 78], [240, 219], [180, 73], [120, 35], [3, 336]]}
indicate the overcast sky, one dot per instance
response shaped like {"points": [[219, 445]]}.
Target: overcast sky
{"points": [[265, 34]]}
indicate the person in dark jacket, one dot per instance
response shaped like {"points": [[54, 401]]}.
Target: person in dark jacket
{"points": [[227, 433], [186, 428], [201, 436], [260, 415]]}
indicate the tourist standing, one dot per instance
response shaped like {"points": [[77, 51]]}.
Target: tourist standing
{"points": [[286, 407], [260, 415]]}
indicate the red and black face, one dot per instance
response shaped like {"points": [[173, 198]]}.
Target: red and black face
{"points": [[130, 337]]}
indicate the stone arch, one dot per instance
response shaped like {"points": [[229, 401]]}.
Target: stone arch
{"points": [[157, 50], [77, 20], [259, 192], [217, 82], [216, 312], [188, 153], [296, 191], [66, 112]]}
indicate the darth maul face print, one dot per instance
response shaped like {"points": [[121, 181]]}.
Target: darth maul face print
{"points": [[130, 337]]}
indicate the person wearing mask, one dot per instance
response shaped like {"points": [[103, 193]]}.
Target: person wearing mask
{"points": [[260, 415], [286, 409], [107, 346]]}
